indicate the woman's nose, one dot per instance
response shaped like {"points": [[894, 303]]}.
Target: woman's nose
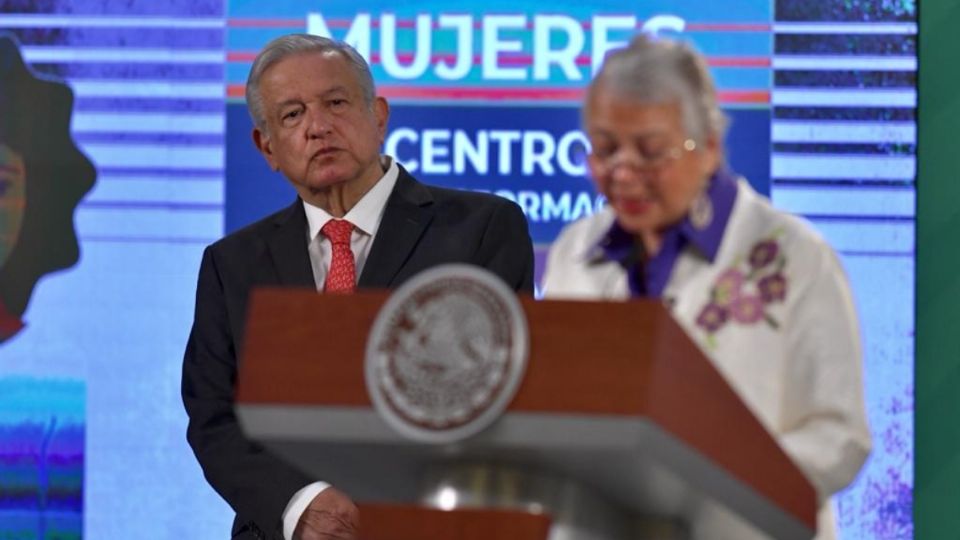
{"points": [[625, 166]]}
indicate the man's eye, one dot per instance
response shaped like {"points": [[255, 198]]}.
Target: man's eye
{"points": [[338, 102], [291, 114]]}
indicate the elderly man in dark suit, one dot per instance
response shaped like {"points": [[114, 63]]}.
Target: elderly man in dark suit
{"points": [[360, 221]]}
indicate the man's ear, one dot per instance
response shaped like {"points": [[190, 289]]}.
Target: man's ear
{"points": [[381, 109], [262, 141]]}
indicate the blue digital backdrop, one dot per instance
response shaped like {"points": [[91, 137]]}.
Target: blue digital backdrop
{"points": [[484, 95]]}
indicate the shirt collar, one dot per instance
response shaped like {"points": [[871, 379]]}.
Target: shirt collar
{"points": [[366, 214], [704, 232]]}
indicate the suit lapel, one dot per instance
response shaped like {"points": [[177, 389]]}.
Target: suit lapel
{"points": [[408, 212], [287, 245]]}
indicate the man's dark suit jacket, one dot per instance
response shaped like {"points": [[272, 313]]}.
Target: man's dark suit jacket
{"points": [[422, 227]]}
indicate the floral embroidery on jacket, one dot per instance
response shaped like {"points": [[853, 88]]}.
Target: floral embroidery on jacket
{"points": [[742, 293]]}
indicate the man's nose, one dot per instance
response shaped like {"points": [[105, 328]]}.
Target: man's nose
{"points": [[318, 124]]}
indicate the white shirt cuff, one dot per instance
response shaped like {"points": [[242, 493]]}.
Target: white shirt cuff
{"points": [[298, 503]]}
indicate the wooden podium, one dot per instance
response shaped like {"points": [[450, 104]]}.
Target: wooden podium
{"points": [[616, 400]]}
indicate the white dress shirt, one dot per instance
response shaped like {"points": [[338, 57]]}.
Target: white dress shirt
{"points": [[365, 217]]}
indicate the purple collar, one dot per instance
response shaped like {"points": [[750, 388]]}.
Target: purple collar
{"points": [[649, 278]]}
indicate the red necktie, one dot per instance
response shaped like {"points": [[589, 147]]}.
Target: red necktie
{"points": [[341, 277]]}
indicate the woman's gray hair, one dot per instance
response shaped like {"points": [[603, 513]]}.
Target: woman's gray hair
{"points": [[661, 70], [294, 44]]}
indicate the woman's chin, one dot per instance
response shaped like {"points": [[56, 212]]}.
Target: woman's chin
{"points": [[636, 218]]}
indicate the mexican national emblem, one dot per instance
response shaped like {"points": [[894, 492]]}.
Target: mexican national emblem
{"points": [[446, 353]]}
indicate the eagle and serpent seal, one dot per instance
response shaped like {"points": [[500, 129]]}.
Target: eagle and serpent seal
{"points": [[446, 354]]}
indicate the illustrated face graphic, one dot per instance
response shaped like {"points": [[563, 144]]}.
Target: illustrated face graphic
{"points": [[13, 181], [43, 177]]}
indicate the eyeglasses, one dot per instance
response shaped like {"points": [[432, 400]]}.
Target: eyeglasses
{"points": [[640, 159]]}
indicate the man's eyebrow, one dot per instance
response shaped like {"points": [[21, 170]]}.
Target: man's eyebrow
{"points": [[339, 89], [288, 102]]}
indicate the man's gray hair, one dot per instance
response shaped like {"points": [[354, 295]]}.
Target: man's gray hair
{"points": [[293, 44], [660, 70]]}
